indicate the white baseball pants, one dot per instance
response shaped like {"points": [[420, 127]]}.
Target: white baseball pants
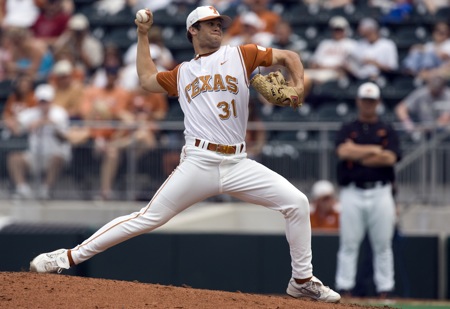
{"points": [[372, 210], [202, 174]]}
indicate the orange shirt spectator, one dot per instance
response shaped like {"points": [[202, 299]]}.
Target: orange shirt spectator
{"points": [[148, 106], [68, 90], [324, 206], [261, 8], [270, 19], [105, 104]]}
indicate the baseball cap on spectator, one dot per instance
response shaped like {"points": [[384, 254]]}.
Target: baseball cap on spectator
{"points": [[369, 91], [62, 67], [203, 13], [322, 188], [251, 19], [78, 22], [338, 22], [368, 23], [44, 92]]}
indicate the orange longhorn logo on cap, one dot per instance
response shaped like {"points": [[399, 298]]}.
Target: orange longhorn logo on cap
{"points": [[214, 10]]}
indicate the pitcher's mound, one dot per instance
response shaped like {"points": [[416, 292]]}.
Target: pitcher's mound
{"points": [[31, 290]]}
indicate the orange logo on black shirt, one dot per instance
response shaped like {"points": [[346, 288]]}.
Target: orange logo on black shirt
{"points": [[381, 132]]}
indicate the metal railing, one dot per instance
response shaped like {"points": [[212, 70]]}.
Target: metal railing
{"points": [[300, 151]]}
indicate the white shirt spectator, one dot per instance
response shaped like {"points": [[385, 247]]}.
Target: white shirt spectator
{"points": [[332, 53], [383, 51], [43, 142]]}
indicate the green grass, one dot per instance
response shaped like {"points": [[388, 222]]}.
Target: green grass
{"points": [[405, 304]]}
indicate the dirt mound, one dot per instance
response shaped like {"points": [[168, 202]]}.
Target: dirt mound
{"points": [[31, 290]]}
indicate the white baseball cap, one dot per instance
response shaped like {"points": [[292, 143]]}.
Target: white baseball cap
{"points": [[338, 22], [369, 91], [203, 13], [368, 23], [78, 22], [62, 67], [322, 188], [44, 92], [251, 19]]}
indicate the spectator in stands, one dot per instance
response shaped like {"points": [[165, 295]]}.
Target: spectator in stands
{"points": [[104, 105], [285, 38], [146, 109], [423, 58], [433, 6], [152, 5], [397, 11], [87, 51], [21, 98], [426, 108], [5, 56], [48, 150], [256, 136], [252, 31], [28, 55], [328, 60], [52, 21], [68, 91], [113, 58], [165, 58], [329, 4], [374, 56], [220, 5], [261, 8], [128, 78], [161, 56], [12, 13], [324, 211]]}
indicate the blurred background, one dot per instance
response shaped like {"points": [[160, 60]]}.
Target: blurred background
{"points": [[110, 145]]}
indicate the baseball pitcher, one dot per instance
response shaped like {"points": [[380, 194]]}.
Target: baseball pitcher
{"points": [[213, 91]]}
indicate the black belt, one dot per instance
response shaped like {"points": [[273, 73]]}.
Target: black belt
{"points": [[369, 184]]}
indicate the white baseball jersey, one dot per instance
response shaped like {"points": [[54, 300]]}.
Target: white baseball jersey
{"points": [[213, 91]]}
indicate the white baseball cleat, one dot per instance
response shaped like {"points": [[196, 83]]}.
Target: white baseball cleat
{"points": [[50, 262], [313, 289]]}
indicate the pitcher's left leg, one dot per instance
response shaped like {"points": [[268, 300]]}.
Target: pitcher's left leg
{"points": [[252, 182]]}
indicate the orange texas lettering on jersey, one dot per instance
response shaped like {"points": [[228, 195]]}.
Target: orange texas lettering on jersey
{"points": [[209, 83]]}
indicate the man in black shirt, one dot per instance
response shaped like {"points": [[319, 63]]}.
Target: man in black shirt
{"points": [[368, 150]]}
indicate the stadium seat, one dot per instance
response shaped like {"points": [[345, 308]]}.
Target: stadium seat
{"points": [[175, 112], [122, 37], [302, 14], [178, 41], [181, 55], [172, 15], [442, 14], [334, 111], [346, 11], [406, 36]]}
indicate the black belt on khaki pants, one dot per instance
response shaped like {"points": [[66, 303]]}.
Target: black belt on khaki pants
{"points": [[223, 149], [369, 184]]}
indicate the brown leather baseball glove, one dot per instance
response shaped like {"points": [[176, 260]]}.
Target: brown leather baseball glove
{"points": [[273, 88]]}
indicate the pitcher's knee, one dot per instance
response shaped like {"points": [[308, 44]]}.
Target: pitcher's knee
{"points": [[298, 205]]}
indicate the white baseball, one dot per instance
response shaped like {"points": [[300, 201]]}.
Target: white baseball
{"points": [[142, 17]]}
